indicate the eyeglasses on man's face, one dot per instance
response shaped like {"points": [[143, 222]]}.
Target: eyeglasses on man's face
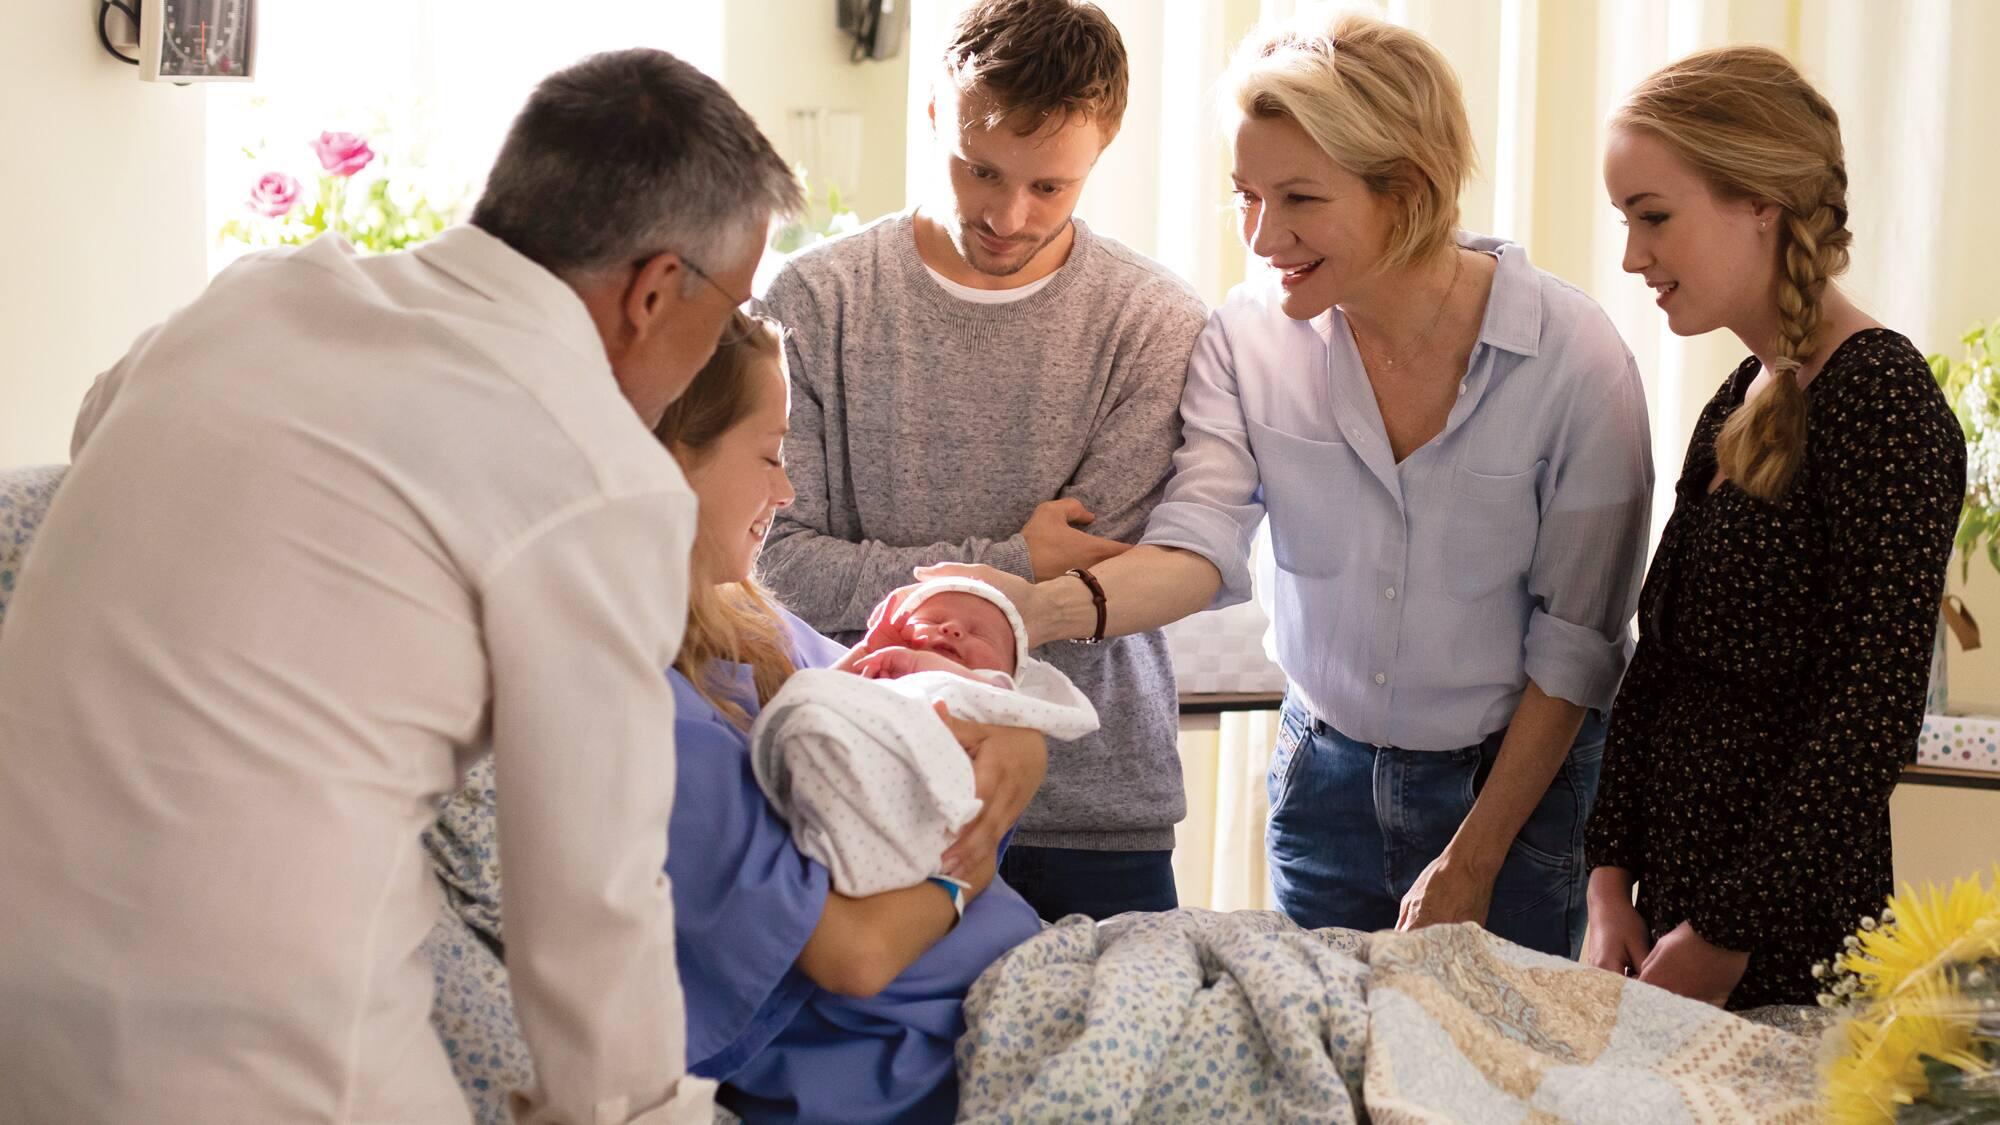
{"points": [[734, 330], [734, 300]]}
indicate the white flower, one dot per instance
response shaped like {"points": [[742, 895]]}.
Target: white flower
{"points": [[1979, 403]]}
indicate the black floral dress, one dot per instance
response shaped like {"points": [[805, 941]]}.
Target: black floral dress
{"points": [[1778, 687]]}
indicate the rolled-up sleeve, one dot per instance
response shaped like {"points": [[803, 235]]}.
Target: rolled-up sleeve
{"points": [[1212, 503], [1590, 551], [579, 621]]}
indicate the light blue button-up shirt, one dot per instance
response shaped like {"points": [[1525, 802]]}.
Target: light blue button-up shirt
{"points": [[1415, 600]]}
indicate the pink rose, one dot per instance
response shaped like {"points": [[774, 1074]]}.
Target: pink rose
{"points": [[274, 195], [343, 154]]}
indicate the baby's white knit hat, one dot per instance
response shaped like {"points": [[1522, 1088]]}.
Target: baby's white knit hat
{"points": [[932, 587]]}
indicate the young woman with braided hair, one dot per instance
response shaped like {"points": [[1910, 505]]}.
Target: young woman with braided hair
{"points": [[1786, 621]]}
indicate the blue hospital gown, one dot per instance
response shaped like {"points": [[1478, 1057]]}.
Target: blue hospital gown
{"points": [[745, 901]]}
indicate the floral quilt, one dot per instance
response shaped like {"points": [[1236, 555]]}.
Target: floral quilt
{"points": [[1191, 1015]]}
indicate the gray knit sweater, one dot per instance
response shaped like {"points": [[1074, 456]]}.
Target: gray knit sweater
{"points": [[926, 429]]}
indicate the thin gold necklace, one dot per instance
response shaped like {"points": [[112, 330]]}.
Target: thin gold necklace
{"points": [[1390, 363]]}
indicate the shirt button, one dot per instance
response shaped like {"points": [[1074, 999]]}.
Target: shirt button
{"points": [[1461, 388], [1380, 678], [1390, 593]]}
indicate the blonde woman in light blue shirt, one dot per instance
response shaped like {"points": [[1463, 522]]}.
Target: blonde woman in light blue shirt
{"points": [[1452, 449]]}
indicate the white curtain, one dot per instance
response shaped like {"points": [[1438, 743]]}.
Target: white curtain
{"points": [[1219, 848]]}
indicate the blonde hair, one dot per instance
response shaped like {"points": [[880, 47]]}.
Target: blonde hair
{"points": [[1754, 128], [728, 623], [1381, 102]]}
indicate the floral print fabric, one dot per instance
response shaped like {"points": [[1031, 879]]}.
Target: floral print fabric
{"points": [[1190, 1015]]}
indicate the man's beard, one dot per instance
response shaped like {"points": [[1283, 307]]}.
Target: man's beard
{"points": [[979, 258]]}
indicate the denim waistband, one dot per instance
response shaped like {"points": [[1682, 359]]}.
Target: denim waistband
{"points": [[1490, 742]]}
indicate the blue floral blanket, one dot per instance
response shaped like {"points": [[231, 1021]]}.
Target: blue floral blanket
{"points": [[1191, 1015]]}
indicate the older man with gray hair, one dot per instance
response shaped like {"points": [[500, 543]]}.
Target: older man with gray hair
{"points": [[332, 529]]}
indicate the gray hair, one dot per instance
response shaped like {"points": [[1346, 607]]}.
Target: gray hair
{"points": [[628, 154]]}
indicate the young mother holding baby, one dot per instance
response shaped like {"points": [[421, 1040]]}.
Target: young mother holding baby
{"points": [[804, 1003], [1452, 449]]}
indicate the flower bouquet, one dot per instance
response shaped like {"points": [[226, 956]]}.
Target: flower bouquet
{"points": [[1920, 988], [376, 213]]}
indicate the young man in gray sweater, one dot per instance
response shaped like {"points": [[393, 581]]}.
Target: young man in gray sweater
{"points": [[971, 381]]}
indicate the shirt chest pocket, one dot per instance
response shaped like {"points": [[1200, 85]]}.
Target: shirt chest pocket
{"points": [[1490, 542], [1307, 485]]}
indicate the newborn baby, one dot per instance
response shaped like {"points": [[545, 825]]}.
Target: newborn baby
{"points": [[957, 631], [871, 779]]}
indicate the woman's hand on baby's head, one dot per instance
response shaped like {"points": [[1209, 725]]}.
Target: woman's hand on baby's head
{"points": [[1012, 587]]}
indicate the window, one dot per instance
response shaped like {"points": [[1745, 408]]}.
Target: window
{"points": [[432, 85]]}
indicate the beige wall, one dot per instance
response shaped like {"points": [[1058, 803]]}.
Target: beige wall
{"points": [[1944, 833], [785, 55], [102, 201]]}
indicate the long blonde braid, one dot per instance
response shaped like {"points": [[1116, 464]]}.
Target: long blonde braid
{"points": [[1763, 443], [1750, 123]]}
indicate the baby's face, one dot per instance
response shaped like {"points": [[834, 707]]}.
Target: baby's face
{"points": [[965, 627]]}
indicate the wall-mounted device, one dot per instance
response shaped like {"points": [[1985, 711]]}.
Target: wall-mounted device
{"points": [[197, 40], [182, 41], [876, 26]]}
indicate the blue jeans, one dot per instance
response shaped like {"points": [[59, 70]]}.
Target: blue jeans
{"points": [[1353, 825], [1063, 881]]}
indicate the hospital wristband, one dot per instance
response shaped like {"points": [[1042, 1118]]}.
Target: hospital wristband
{"points": [[955, 888]]}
